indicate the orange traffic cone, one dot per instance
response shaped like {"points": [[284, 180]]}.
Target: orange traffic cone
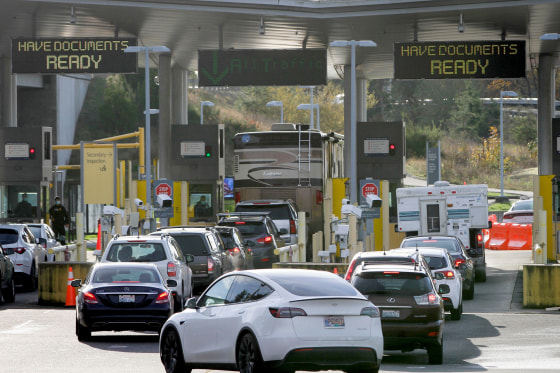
{"points": [[335, 270], [70, 291]]}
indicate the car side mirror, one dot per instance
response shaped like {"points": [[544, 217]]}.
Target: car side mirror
{"points": [[439, 276], [444, 289], [489, 224], [283, 231], [189, 258], [9, 250], [249, 243], [76, 283], [171, 283], [42, 241], [191, 303]]}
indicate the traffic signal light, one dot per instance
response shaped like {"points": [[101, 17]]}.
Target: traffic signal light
{"points": [[31, 153], [392, 149], [207, 151]]}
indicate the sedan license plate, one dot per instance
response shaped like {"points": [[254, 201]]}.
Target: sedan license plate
{"points": [[334, 322], [126, 298], [390, 313]]}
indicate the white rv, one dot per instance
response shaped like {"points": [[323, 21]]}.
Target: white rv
{"points": [[446, 210]]}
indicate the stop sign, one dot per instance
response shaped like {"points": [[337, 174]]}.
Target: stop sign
{"points": [[163, 188], [369, 188]]}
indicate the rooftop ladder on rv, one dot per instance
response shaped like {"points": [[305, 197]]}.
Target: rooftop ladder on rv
{"points": [[304, 157]]}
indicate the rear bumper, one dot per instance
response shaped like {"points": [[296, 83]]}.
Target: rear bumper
{"points": [[331, 358], [409, 336], [139, 321]]}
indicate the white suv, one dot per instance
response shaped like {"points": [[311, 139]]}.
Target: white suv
{"points": [[164, 252], [24, 252], [442, 267]]}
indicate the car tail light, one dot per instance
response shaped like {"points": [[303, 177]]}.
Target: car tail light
{"points": [[210, 265], [90, 298], [163, 298], [426, 299], [239, 222], [350, 270], [234, 250], [293, 229], [266, 239], [370, 311], [449, 275], [459, 261], [19, 250], [286, 312], [171, 269]]}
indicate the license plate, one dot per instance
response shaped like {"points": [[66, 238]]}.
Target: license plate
{"points": [[334, 322], [126, 298], [390, 313]]}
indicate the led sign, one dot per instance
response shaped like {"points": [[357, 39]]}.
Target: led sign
{"points": [[460, 60], [80, 55], [243, 67]]}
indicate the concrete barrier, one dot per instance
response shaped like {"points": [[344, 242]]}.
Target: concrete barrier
{"points": [[53, 280], [541, 285]]}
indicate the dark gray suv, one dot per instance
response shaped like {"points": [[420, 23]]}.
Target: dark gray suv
{"points": [[211, 258]]}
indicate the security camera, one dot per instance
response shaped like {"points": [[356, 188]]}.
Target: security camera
{"points": [[373, 200], [164, 200], [138, 202], [112, 210], [345, 201]]}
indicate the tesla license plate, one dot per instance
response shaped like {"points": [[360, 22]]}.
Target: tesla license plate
{"points": [[126, 298], [391, 313], [334, 322]]}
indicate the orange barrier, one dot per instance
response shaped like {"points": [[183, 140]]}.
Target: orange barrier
{"points": [[70, 291], [498, 236], [510, 236], [98, 246], [520, 237]]}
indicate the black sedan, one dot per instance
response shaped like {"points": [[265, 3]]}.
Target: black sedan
{"points": [[122, 296]]}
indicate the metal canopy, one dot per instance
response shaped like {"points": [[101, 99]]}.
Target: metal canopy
{"points": [[186, 26]]}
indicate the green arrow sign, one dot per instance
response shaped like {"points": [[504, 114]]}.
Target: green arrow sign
{"points": [[262, 67]]}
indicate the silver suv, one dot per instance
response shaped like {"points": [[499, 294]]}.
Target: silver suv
{"points": [[164, 252], [284, 213], [24, 252]]}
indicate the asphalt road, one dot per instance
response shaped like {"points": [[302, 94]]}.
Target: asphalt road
{"points": [[495, 334]]}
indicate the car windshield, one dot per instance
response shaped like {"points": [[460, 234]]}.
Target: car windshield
{"points": [[449, 245], [8, 236], [277, 212], [392, 282], [126, 275], [247, 228], [522, 205], [304, 285], [136, 252], [435, 262], [35, 230], [191, 244]]}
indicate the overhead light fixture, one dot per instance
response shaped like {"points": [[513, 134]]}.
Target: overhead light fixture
{"points": [[461, 27], [72, 15], [262, 29]]}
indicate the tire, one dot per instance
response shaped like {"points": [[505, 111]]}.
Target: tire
{"points": [[29, 282], [481, 275], [249, 358], [171, 352], [435, 353], [457, 312], [9, 294], [83, 333], [469, 294]]}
